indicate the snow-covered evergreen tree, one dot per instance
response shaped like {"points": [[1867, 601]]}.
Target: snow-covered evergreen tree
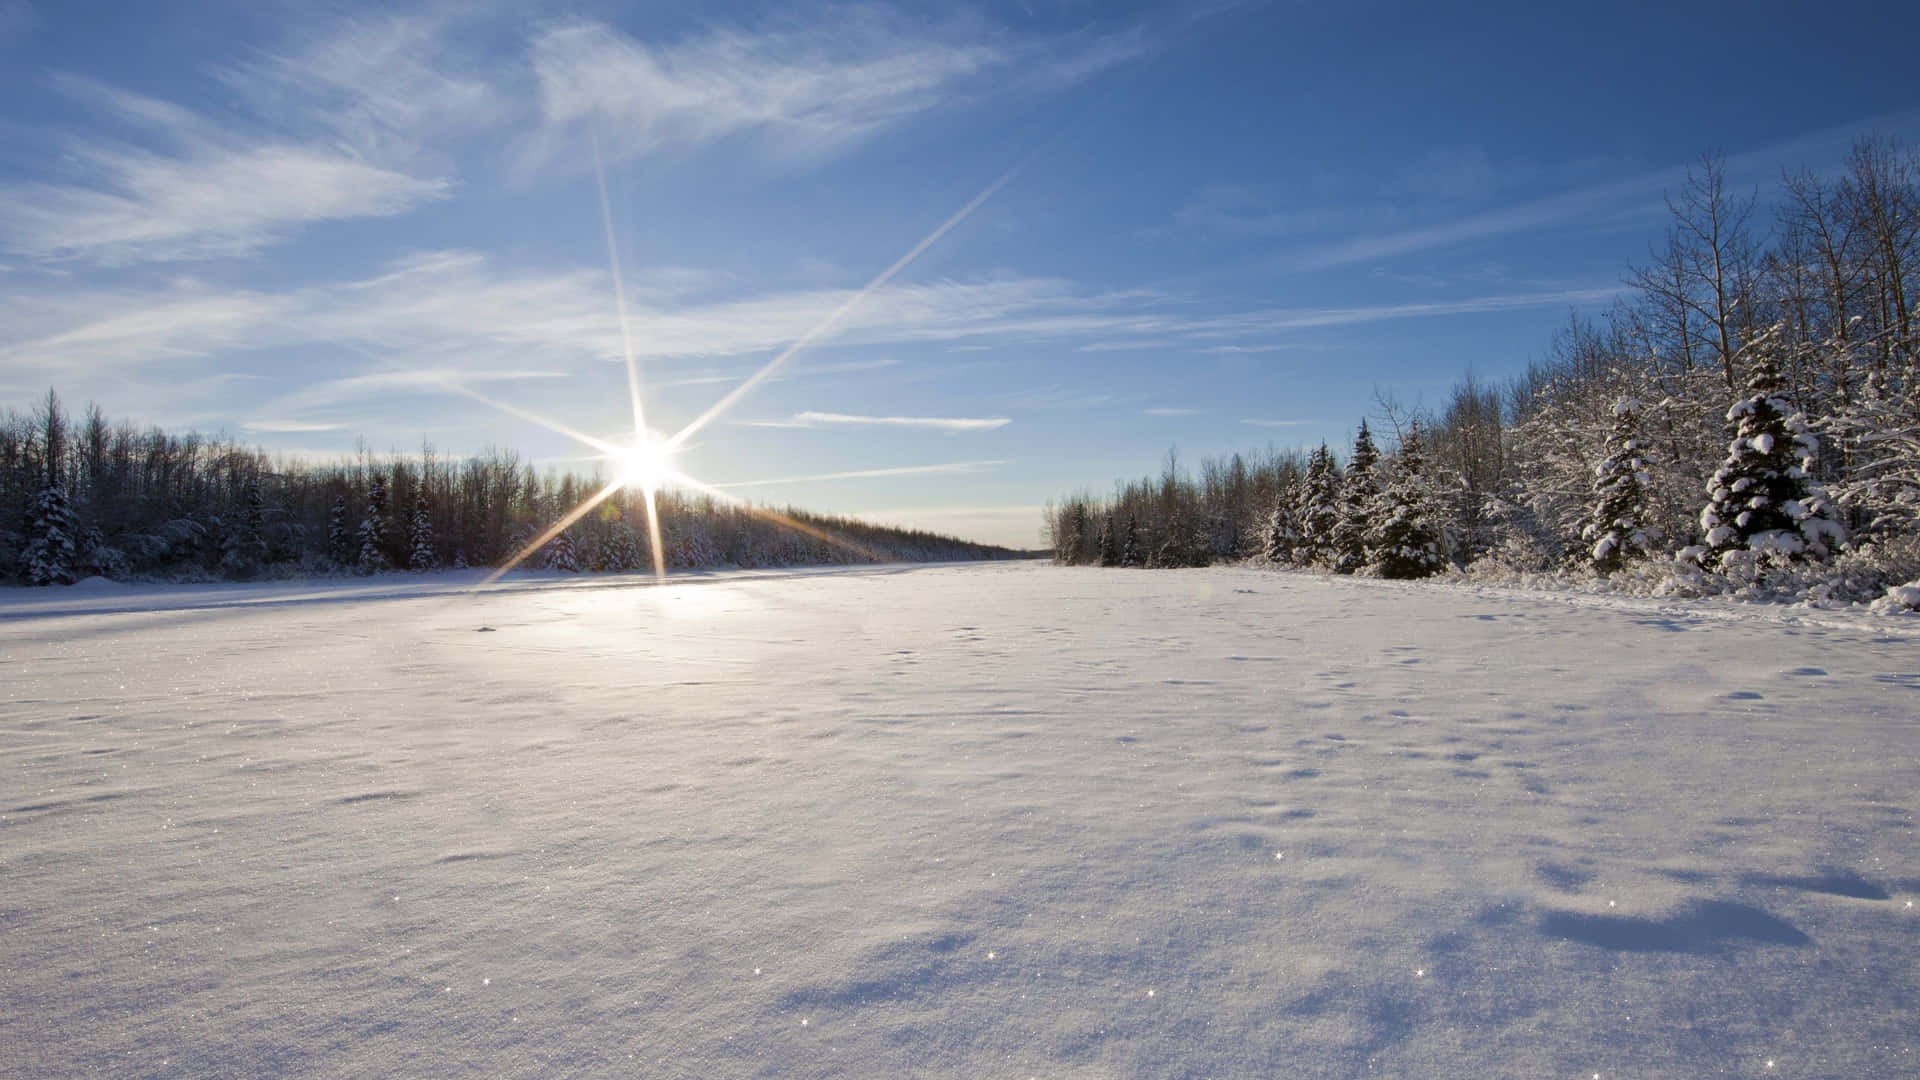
{"points": [[244, 550], [622, 552], [1619, 530], [1282, 546], [50, 556], [562, 554], [373, 528], [1179, 548], [1763, 498], [1318, 509], [1358, 494], [1130, 543], [1223, 539], [1109, 542], [1068, 533], [342, 550], [420, 532], [1405, 542]]}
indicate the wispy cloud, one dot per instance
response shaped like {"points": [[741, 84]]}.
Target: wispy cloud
{"points": [[1299, 319], [385, 85], [1171, 412], [1553, 210], [791, 372], [1249, 350], [198, 193], [385, 384], [1631, 198], [86, 331], [460, 312], [1277, 423], [942, 423], [799, 91], [1129, 346], [289, 426], [864, 474]]}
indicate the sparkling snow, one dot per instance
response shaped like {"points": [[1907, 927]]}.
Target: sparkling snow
{"points": [[967, 821]]}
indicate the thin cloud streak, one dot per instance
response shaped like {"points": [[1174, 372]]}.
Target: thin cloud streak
{"points": [[289, 426], [811, 419], [210, 194], [1644, 194], [862, 474], [1303, 319]]}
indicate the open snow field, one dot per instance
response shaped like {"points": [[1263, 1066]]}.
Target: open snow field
{"points": [[1000, 820]]}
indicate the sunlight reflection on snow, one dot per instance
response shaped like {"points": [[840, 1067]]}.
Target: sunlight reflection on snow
{"points": [[697, 601]]}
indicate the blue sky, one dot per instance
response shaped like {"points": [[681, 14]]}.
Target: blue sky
{"points": [[1216, 226]]}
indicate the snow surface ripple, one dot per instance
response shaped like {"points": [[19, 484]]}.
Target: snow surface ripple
{"points": [[992, 820]]}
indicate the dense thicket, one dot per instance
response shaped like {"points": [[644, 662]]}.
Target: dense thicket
{"points": [[1751, 408], [93, 497]]}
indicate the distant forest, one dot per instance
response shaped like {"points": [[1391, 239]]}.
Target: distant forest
{"points": [[1747, 420], [90, 497]]}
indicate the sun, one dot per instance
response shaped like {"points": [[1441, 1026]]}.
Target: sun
{"points": [[646, 465]]}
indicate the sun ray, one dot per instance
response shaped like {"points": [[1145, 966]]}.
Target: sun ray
{"points": [[658, 471], [779, 518], [554, 530], [840, 312], [653, 538], [555, 426], [619, 295]]}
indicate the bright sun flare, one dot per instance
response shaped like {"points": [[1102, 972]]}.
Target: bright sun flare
{"points": [[646, 465]]}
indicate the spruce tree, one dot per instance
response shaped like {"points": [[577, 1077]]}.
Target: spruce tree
{"points": [[1066, 544], [1283, 545], [420, 532], [1130, 543], [1618, 529], [373, 529], [1318, 509], [562, 554], [1762, 498], [244, 551], [50, 558], [1406, 542], [342, 550], [1109, 542], [1358, 493], [1177, 550], [1223, 540], [622, 551]]}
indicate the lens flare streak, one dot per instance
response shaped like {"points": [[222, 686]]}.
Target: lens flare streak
{"points": [[778, 518], [840, 312], [658, 472], [559, 527]]}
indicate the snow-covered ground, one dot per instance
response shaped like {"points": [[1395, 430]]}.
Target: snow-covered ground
{"points": [[998, 820]]}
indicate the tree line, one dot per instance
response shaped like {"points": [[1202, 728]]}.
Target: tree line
{"points": [[82, 497], [1751, 407]]}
